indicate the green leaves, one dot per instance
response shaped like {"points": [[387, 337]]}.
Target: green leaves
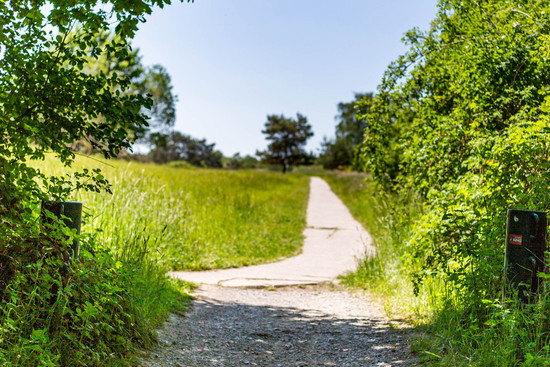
{"points": [[48, 101], [463, 119], [49, 98]]}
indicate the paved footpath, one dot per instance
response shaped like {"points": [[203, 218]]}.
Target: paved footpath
{"points": [[334, 242]]}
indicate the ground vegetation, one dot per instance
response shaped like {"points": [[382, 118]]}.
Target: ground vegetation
{"points": [[189, 218]]}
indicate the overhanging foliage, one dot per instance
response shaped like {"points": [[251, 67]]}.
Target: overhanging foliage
{"points": [[54, 311]]}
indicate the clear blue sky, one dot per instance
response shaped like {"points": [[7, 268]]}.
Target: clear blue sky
{"points": [[233, 62]]}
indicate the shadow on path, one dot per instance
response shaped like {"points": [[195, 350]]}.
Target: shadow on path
{"points": [[229, 333]]}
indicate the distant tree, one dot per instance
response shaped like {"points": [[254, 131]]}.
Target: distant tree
{"points": [[153, 82], [288, 138], [156, 83], [180, 147], [343, 150]]}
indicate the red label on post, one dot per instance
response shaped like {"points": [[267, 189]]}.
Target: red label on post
{"points": [[516, 239]]}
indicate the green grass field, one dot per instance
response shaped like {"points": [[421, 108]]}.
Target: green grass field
{"points": [[196, 218]]}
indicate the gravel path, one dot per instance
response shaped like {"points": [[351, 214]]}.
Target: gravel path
{"points": [[290, 326]]}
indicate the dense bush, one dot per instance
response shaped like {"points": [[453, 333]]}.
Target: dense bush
{"points": [[87, 313], [238, 162], [463, 119]]}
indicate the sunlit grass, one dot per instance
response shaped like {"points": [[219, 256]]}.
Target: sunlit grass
{"points": [[388, 218], [196, 218]]}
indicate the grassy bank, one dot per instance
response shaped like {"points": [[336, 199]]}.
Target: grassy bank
{"points": [[388, 218], [99, 309]]}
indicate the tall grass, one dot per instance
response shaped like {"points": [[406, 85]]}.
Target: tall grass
{"points": [[96, 310], [103, 307], [197, 218], [510, 333]]}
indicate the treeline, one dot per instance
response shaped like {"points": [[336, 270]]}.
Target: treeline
{"points": [[462, 119], [178, 147], [343, 150]]}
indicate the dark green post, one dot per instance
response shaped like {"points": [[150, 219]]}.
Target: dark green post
{"points": [[72, 210], [525, 248]]}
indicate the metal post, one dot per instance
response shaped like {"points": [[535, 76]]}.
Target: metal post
{"points": [[525, 248], [71, 212]]}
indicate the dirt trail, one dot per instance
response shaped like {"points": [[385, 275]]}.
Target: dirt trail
{"points": [[291, 326]]}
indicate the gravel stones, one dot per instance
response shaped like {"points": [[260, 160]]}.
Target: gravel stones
{"points": [[292, 326]]}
